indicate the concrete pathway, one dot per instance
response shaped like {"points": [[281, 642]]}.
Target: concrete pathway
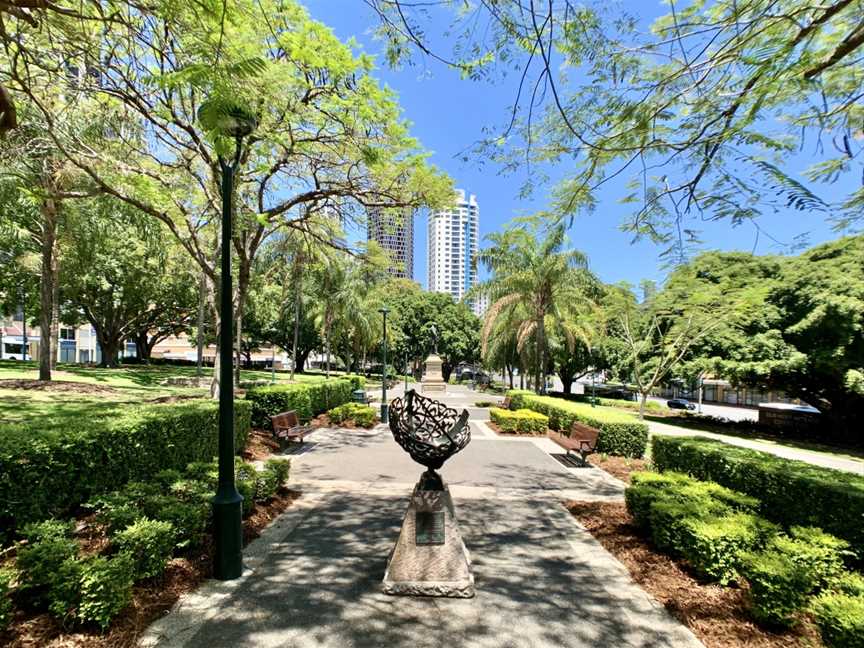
{"points": [[313, 579]]}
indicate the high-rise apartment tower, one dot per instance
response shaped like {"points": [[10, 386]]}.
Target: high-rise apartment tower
{"points": [[394, 231], [452, 246]]}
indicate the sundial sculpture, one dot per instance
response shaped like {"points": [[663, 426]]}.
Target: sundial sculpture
{"points": [[430, 558]]}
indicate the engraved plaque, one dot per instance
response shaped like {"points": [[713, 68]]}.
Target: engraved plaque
{"points": [[429, 528]]}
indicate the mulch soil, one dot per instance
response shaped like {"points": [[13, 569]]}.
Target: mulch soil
{"points": [[618, 467], [67, 386], [717, 615], [151, 599], [260, 446]]}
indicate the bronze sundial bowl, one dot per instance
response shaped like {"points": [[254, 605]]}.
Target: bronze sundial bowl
{"points": [[430, 558], [429, 431]]}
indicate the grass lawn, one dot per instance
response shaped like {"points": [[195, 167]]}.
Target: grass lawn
{"points": [[96, 392], [757, 433]]}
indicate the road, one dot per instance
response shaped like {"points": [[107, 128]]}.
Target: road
{"points": [[725, 411]]}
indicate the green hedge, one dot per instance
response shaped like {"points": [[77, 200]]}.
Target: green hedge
{"points": [[46, 473], [307, 399], [620, 433], [362, 415], [524, 420], [791, 492]]}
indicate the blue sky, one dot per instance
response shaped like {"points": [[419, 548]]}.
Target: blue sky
{"points": [[449, 114]]}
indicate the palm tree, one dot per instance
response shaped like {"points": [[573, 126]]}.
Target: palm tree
{"points": [[537, 285]]}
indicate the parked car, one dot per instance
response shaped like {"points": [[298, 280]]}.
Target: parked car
{"points": [[680, 403]]}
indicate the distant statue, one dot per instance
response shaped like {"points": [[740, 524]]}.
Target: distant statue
{"points": [[434, 331]]}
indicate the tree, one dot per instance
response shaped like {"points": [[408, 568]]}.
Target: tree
{"points": [[329, 140], [120, 275], [705, 112], [535, 275], [37, 184], [413, 312], [803, 329], [658, 336]]}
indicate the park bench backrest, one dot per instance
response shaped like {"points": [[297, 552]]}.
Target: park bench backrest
{"points": [[582, 432], [285, 420], [506, 403]]}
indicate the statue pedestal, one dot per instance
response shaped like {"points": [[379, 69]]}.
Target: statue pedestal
{"points": [[433, 380], [430, 558]]}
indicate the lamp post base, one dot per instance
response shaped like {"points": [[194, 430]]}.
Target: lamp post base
{"points": [[384, 412], [228, 536]]}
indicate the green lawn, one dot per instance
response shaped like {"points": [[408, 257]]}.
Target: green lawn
{"points": [[125, 386]]}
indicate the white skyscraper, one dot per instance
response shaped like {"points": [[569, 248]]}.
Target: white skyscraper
{"points": [[452, 246]]}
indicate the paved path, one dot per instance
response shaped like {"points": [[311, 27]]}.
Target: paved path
{"points": [[314, 578]]}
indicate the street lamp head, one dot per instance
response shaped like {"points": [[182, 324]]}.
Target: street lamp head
{"points": [[384, 310], [227, 118]]}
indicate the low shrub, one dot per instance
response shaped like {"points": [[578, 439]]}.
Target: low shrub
{"points": [[7, 585], [485, 404], [524, 421], [47, 472], [778, 587], [150, 543], [620, 433], [792, 493], [45, 548], [713, 546], [703, 522], [851, 583], [840, 619], [814, 551], [281, 468], [362, 415], [644, 489], [106, 587], [307, 399]]}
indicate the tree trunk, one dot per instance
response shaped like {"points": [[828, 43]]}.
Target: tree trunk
{"points": [[110, 345], [299, 360], [55, 312], [295, 364], [47, 287], [642, 405], [567, 381], [199, 361], [238, 347], [509, 370]]}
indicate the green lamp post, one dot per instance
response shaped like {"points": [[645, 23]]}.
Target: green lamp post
{"points": [[384, 416], [229, 121]]}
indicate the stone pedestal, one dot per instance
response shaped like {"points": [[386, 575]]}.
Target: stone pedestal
{"points": [[433, 380], [430, 558]]}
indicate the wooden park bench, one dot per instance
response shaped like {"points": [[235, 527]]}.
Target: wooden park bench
{"points": [[582, 439], [287, 427], [505, 404]]}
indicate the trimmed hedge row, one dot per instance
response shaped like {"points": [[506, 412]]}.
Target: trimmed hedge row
{"points": [[791, 492], [46, 473], [620, 433], [524, 420], [307, 399], [717, 532], [651, 405]]}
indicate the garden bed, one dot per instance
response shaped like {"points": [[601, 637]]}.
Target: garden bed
{"points": [[717, 615], [151, 599], [618, 467]]}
